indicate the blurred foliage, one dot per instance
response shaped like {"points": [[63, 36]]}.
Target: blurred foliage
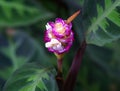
{"points": [[22, 25], [32, 77], [105, 25], [21, 13]]}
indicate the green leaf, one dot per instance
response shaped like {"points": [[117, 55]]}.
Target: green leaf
{"points": [[32, 77], [98, 56], [94, 87], [24, 49], [19, 13], [75, 4], [6, 72], [106, 26], [10, 52]]}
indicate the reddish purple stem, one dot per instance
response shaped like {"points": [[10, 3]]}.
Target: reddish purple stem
{"points": [[59, 77], [72, 75]]}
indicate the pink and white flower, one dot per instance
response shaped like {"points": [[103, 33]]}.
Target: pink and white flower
{"points": [[58, 36]]}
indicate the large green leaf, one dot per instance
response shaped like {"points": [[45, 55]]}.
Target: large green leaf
{"points": [[105, 27], [24, 49], [98, 56], [32, 77], [21, 13], [10, 51]]}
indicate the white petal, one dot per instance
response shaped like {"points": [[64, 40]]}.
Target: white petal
{"points": [[59, 47], [48, 26], [50, 36], [55, 41], [48, 44], [55, 44], [54, 47]]}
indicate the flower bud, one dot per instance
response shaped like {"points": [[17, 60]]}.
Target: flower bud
{"points": [[58, 36]]}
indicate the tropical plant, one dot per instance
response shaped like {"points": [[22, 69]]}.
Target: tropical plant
{"points": [[26, 65]]}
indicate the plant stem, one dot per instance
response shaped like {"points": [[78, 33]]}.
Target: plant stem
{"points": [[59, 77], [59, 64], [73, 72]]}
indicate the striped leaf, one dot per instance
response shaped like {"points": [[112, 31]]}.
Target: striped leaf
{"points": [[21, 13], [106, 26], [32, 77]]}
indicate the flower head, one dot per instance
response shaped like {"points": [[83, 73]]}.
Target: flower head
{"points": [[58, 36]]}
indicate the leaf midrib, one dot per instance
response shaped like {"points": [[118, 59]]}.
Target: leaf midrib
{"points": [[38, 78], [105, 14]]}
